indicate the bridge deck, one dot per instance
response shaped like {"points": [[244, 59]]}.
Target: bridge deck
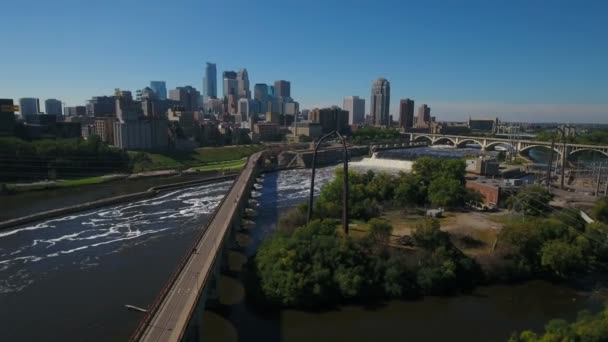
{"points": [[168, 319]]}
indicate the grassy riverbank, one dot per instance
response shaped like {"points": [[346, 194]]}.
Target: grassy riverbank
{"points": [[223, 159], [197, 158]]}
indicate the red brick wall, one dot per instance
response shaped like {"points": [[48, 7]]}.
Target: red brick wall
{"points": [[490, 193]]}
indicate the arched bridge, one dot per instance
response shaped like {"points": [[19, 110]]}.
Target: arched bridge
{"points": [[489, 143]]}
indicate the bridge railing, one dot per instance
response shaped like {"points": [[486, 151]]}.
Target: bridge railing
{"points": [[153, 309]]}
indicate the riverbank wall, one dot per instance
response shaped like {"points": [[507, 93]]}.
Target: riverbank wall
{"points": [[108, 201]]}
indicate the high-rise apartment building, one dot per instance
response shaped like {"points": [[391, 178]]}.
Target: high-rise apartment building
{"points": [[356, 109], [29, 107], [406, 113], [424, 116], [282, 88], [243, 84], [53, 107], [160, 88], [210, 81], [380, 102]]}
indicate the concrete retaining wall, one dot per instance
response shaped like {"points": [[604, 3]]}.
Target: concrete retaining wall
{"points": [[107, 201]]}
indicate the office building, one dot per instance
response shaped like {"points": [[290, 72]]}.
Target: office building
{"points": [[271, 91], [282, 88], [210, 81], [53, 106], [75, 111], [331, 119], [355, 107], [185, 119], [29, 107], [104, 128], [483, 124], [380, 102], [101, 106], [243, 84], [306, 129], [127, 109], [291, 108], [424, 117], [160, 88], [406, 114], [7, 117], [243, 109], [260, 91], [187, 96], [231, 84]]}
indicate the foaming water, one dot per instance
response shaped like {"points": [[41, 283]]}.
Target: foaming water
{"points": [[80, 239]]}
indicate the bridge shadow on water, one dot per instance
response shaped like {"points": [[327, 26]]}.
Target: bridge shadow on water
{"points": [[232, 318]]}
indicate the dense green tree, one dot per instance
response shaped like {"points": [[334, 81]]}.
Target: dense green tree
{"points": [[410, 191], [587, 328], [445, 270], [446, 192], [600, 210], [380, 230], [562, 258], [428, 234], [371, 134], [65, 158]]}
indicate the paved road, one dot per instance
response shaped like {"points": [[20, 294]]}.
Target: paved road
{"points": [[168, 321]]}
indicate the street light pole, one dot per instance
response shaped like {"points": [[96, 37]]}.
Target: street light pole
{"points": [[345, 191]]}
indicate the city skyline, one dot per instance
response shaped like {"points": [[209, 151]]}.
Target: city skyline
{"points": [[518, 61]]}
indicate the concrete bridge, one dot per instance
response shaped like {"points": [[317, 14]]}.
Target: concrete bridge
{"points": [[176, 314], [489, 143]]}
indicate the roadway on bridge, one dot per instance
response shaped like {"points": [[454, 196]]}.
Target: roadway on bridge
{"points": [[169, 320]]}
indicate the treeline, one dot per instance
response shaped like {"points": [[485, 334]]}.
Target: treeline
{"points": [[596, 136], [587, 327], [22, 160], [374, 134], [434, 182], [548, 243], [315, 267]]}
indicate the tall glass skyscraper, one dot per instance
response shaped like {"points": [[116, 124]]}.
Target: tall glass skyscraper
{"points": [[160, 88], [380, 102], [210, 81]]}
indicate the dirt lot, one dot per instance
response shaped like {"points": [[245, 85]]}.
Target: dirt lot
{"points": [[472, 232]]}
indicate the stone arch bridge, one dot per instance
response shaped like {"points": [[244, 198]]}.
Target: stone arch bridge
{"points": [[489, 143]]}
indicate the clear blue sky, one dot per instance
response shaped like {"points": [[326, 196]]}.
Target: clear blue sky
{"points": [[520, 60]]}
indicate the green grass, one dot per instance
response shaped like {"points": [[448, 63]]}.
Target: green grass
{"points": [[195, 158], [234, 165], [82, 181]]}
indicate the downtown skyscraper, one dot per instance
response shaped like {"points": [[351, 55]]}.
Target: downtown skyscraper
{"points": [[242, 78], [406, 113], [210, 81], [355, 106], [160, 88], [380, 102]]}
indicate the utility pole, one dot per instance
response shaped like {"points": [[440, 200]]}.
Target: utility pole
{"points": [[597, 184], [606, 187], [550, 163]]}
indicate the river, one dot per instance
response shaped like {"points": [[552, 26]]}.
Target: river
{"points": [[68, 279]]}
